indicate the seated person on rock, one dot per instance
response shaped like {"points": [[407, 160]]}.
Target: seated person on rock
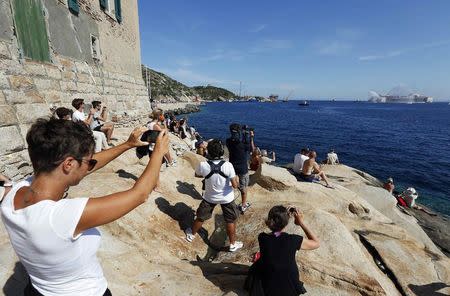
{"points": [[332, 158], [56, 238], [299, 159], [99, 123], [277, 268], [255, 160], [389, 185], [202, 148], [63, 113], [311, 171], [220, 179], [79, 116], [157, 125], [265, 157]]}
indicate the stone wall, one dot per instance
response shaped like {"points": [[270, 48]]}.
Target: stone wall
{"points": [[28, 89]]}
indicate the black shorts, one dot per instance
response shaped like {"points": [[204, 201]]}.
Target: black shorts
{"points": [[309, 178], [229, 211], [98, 128]]}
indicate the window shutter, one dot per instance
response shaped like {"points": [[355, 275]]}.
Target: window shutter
{"points": [[74, 7], [103, 4], [118, 10]]}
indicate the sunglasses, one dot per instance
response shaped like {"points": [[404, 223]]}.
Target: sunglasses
{"points": [[91, 162]]}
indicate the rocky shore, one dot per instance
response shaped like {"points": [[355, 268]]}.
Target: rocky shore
{"points": [[368, 246]]}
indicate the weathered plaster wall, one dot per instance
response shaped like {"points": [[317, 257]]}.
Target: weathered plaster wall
{"points": [[28, 89], [70, 34], [5, 20]]}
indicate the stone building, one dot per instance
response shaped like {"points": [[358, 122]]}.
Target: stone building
{"points": [[52, 51]]}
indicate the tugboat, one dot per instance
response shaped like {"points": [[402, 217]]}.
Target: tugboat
{"points": [[304, 103]]}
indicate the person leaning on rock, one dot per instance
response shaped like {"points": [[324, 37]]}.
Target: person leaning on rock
{"points": [[276, 270], [220, 179], [56, 239]]}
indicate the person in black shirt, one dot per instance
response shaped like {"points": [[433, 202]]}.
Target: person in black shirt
{"points": [[239, 147], [277, 269]]}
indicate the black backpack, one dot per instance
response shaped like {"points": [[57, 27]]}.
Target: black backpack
{"points": [[215, 169]]}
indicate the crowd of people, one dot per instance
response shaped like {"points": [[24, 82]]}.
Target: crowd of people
{"points": [[56, 238]]}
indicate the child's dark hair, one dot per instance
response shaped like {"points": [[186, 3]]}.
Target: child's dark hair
{"points": [[215, 149], [50, 141], [278, 218]]}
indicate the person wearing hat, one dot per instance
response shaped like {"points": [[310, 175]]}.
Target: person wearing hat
{"points": [[389, 185]]}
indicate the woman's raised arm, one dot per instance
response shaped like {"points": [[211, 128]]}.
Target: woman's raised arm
{"points": [[105, 209], [105, 156]]}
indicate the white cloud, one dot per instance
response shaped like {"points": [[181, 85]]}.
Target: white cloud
{"points": [[398, 52], [257, 28], [184, 62], [271, 44], [189, 77], [335, 47], [339, 43]]}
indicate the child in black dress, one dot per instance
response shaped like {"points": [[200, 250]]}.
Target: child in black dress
{"points": [[276, 272]]}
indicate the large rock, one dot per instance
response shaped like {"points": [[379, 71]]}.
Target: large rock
{"points": [[363, 252]]}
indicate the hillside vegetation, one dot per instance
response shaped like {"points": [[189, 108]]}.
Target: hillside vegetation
{"points": [[165, 88]]}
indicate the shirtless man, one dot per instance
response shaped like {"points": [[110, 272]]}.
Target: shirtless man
{"points": [[311, 170]]}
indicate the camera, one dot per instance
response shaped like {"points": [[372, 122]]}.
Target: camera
{"points": [[151, 136]]}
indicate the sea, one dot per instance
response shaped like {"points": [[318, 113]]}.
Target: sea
{"points": [[408, 142]]}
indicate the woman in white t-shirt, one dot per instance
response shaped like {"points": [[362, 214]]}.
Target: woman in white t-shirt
{"points": [[55, 238]]}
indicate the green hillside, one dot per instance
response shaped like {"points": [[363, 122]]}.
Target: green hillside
{"points": [[162, 87]]}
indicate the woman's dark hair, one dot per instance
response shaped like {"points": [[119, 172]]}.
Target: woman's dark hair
{"points": [[215, 149], [62, 112], [76, 103], [96, 103], [278, 218], [50, 141]]}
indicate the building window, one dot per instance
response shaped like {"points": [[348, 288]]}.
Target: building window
{"points": [[31, 29], [109, 7], [95, 47]]}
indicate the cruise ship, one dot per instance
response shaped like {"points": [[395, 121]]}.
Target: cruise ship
{"points": [[405, 99]]}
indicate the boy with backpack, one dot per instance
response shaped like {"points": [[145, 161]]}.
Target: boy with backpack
{"points": [[220, 179]]}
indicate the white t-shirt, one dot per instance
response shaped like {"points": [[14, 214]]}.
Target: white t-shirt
{"points": [[78, 116], [42, 236], [299, 159], [96, 120], [218, 190], [332, 158]]}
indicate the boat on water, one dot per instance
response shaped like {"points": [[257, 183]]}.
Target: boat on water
{"points": [[411, 98], [304, 103]]}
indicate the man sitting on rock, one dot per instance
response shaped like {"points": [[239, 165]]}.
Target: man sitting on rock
{"points": [[332, 158], [220, 179], [299, 159], [311, 171], [99, 123], [79, 116]]}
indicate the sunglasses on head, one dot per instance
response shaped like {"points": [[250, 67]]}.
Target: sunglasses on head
{"points": [[91, 162]]}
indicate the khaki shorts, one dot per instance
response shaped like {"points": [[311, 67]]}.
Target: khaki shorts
{"points": [[229, 211]]}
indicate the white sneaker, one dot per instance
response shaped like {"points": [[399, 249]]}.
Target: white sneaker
{"points": [[243, 207], [189, 236], [236, 246]]}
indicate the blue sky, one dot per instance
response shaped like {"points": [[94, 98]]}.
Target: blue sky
{"points": [[314, 49]]}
